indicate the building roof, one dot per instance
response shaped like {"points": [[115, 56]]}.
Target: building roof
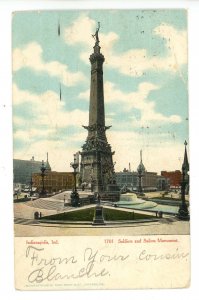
{"points": [[23, 169]]}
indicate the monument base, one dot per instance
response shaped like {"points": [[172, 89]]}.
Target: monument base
{"points": [[98, 217], [111, 194]]}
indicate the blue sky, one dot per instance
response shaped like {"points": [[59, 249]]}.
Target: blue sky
{"points": [[145, 84]]}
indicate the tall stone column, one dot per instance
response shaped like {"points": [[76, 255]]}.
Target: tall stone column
{"points": [[97, 168]]}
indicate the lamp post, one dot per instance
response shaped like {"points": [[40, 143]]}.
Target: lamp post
{"points": [[183, 212], [140, 175], [74, 194], [43, 169], [31, 183], [75, 165], [141, 170]]}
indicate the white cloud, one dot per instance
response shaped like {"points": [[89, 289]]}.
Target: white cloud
{"points": [[25, 96], [18, 121], [134, 62], [42, 106], [30, 134], [47, 110], [157, 154], [30, 56], [41, 133], [81, 31], [138, 100], [150, 117], [176, 42], [60, 153], [84, 95]]}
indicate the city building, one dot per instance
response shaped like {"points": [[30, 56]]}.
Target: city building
{"points": [[162, 183], [53, 181], [151, 181], [127, 180], [23, 169], [174, 178]]}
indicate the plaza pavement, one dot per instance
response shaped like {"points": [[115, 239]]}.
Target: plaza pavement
{"points": [[161, 227], [25, 225], [172, 195]]}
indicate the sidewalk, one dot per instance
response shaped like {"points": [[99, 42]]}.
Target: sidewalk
{"points": [[145, 228]]}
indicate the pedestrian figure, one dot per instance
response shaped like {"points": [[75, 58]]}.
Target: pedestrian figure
{"points": [[36, 215]]}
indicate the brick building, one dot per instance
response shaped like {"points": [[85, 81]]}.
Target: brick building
{"points": [[174, 177], [53, 181]]}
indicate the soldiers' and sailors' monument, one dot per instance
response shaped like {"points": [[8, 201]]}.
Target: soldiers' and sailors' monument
{"points": [[97, 167]]}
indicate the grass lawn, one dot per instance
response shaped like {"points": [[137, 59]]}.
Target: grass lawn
{"points": [[88, 214]]}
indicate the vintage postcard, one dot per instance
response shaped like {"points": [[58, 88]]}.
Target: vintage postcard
{"points": [[101, 152]]}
